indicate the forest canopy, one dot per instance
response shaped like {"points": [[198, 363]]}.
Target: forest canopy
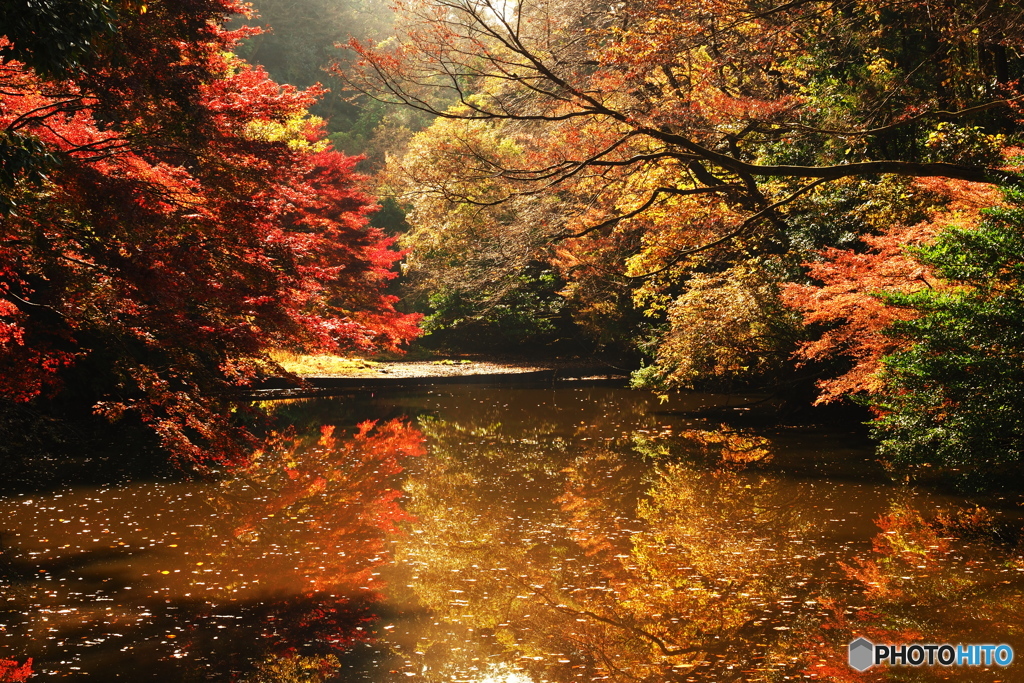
{"points": [[675, 134], [735, 190]]}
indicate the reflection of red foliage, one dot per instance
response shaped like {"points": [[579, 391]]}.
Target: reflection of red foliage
{"points": [[905, 531], [12, 672], [348, 491], [318, 528], [365, 504], [906, 568], [826, 648], [591, 487]]}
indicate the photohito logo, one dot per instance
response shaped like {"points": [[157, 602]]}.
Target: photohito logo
{"points": [[864, 654]]}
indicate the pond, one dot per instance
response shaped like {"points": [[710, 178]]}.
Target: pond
{"points": [[574, 532]]}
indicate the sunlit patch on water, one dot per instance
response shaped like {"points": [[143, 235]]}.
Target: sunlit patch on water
{"points": [[498, 675], [505, 536]]}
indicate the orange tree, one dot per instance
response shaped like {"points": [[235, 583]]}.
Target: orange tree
{"points": [[169, 215], [928, 316], [682, 138], [712, 89]]}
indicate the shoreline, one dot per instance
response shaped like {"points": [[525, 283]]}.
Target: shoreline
{"points": [[408, 374]]}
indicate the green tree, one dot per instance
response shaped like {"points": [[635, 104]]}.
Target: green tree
{"points": [[54, 37], [955, 396]]}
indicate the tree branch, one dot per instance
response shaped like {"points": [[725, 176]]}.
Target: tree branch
{"points": [[679, 256], [643, 207]]}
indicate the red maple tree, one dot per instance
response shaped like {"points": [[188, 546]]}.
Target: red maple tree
{"points": [[845, 298], [171, 215]]}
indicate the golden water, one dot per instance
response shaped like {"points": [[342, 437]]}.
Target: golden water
{"points": [[508, 535]]}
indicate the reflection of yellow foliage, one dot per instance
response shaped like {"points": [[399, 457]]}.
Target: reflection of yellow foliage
{"points": [[295, 669], [601, 584], [724, 527], [735, 448]]}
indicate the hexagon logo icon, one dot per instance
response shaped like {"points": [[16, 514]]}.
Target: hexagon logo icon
{"points": [[862, 654]]}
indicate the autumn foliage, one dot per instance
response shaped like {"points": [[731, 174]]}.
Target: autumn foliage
{"points": [[170, 215], [666, 159], [848, 304], [13, 672]]}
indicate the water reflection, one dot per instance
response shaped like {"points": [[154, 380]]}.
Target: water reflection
{"points": [[955, 577], [274, 571], [628, 571], [506, 536], [661, 552]]}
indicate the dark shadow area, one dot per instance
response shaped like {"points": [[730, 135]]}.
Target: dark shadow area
{"points": [[44, 452]]}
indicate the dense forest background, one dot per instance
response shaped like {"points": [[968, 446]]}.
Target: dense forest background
{"points": [[794, 197], [818, 199]]}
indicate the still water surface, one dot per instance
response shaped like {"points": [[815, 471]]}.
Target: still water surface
{"points": [[508, 535]]}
